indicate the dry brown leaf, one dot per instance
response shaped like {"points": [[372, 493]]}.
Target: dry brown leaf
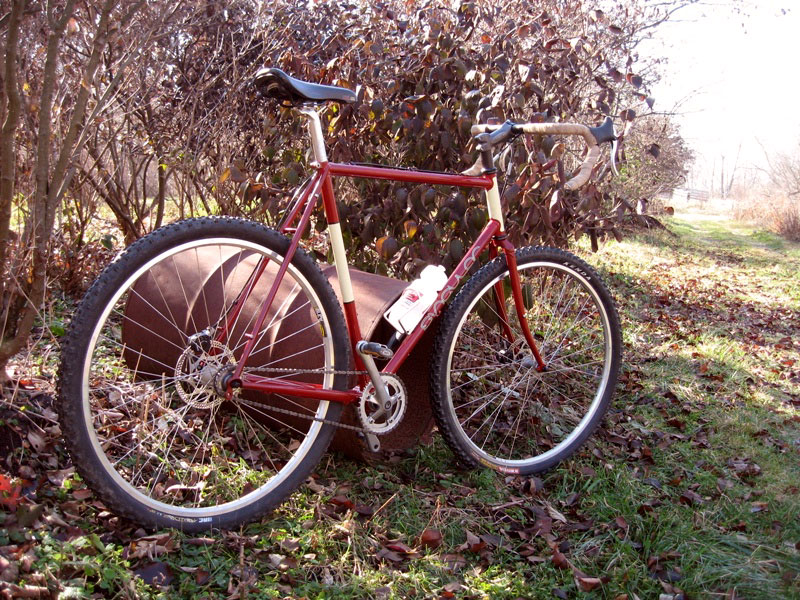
{"points": [[559, 560], [587, 584], [431, 538]]}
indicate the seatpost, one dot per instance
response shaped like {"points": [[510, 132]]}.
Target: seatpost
{"points": [[315, 131]]}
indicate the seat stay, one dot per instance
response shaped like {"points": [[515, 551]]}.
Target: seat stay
{"points": [[309, 191], [287, 259]]}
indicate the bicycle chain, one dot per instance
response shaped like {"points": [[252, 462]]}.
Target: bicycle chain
{"points": [[294, 413], [289, 370]]}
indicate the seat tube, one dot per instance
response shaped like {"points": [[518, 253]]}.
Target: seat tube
{"points": [[334, 228]]}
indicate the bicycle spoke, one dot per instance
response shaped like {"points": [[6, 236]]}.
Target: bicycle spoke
{"points": [[496, 413]]}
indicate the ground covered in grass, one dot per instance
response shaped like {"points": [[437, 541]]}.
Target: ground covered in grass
{"points": [[690, 490]]}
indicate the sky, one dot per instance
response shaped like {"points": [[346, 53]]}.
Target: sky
{"points": [[733, 78]]}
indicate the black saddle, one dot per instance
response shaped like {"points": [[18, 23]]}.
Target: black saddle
{"points": [[277, 84]]}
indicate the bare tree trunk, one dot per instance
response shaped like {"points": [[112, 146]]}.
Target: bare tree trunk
{"points": [[11, 109], [732, 178], [50, 184], [39, 225], [161, 198], [11, 106]]}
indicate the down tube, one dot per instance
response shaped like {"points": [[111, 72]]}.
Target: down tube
{"points": [[469, 259]]}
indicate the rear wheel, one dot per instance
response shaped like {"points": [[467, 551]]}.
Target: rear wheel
{"points": [[492, 404], [143, 376]]}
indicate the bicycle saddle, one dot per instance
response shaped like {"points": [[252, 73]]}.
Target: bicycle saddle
{"points": [[277, 84]]}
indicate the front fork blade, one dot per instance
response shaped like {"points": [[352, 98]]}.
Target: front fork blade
{"points": [[519, 304]]}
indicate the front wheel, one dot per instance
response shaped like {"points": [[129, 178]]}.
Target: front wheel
{"points": [[492, 404], [142, 384]]}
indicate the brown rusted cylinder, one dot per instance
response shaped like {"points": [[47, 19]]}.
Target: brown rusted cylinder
{"points": [[184, 295], [189, 290]]}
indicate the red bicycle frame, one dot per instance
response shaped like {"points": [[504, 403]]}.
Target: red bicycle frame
{"points": [[321, 185]]}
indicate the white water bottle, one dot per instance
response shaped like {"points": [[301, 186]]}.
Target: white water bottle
{"points": [[408, 310]]}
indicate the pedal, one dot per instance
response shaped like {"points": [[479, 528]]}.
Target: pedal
{"points": [[374, 349]]}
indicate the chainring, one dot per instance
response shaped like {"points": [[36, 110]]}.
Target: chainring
{"points": [[377, 421]]}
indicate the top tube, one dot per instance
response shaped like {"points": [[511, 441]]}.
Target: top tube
{"points": [[412, 176]]}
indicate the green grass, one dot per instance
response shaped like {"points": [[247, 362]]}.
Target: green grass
{"points": [[690, 487]]}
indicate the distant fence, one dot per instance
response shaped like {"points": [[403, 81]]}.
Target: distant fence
{"points": [[689, 196], [697, 200]]}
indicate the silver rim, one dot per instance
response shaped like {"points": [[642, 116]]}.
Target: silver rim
{"points": [[163, 435], [506, 413]]}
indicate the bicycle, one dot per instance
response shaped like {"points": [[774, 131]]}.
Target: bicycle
{"points": [[186, 402]]}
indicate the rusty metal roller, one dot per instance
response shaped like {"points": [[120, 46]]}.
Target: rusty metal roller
{"points": [[184, 295]]}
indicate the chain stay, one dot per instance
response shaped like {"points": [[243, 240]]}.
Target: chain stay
{"points": [[294, 413]]}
